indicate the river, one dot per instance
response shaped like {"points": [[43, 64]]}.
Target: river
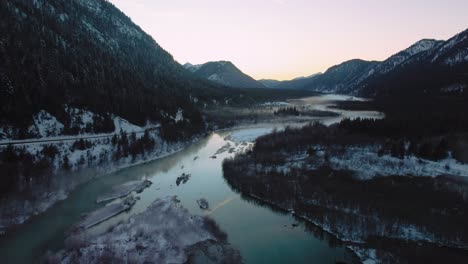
{"points": [[262, 234]]}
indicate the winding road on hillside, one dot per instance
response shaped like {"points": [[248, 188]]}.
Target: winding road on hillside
{"points": [[65, 138]]}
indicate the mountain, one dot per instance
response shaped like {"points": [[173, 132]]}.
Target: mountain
{"points": [[365, 77], [296, 83], [349, 76], [337, 79], [224, 73], [87, 54], [402, 56], [445, 62], [440, 68], [305, 77], [342, 77]]}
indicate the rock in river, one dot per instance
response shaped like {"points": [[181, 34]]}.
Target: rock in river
{"points": [[203, 203], [183, 179]]}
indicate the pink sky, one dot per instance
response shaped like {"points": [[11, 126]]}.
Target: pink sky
{"points": [[284, 39]]}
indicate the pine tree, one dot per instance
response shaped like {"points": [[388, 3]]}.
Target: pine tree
{"points": [[114, 140], [66, 163]]}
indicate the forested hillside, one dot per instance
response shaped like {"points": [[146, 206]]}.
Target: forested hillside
{"points": [[87, 54]]}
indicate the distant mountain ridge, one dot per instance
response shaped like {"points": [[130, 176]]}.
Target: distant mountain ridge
{"points": [[224, 73], [295, 83], [439, 69], [427, 57]]}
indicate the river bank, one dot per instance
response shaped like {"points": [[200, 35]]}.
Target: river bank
{"points": [[19, 208], [379, 196]]}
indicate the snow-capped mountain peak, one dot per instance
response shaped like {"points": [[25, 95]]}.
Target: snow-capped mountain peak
{"points": [[453, 51], [404, 55], [422, 45]]}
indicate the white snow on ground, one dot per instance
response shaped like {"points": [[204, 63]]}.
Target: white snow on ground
{"points": [[101, 147], [457, 87], [414, 233], [460, 56], [179, 116], [275, 104], [80, 118], [216, 78], [249, 135], [367, 256], [46, 125], [6, 132], [448, 45], [420, 46], [15, 211], [161, 234], [367, 164], [124, 125]]}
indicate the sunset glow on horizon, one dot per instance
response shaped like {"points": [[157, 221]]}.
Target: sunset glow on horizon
{"points": [[284, 39]]}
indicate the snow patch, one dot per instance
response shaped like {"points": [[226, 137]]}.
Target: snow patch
{"points": [[161, 234], [248, 135], [125, 126], [367, 164], [216, 78], [275, 104], [179, 116], [6, 132], [459, 57], [45, 125], [421, 46], [80, 118], [367, 256], [457, 87], [448, 45]]}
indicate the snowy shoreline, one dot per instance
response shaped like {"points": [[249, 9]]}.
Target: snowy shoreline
{"points": [[358, 247], [48, 199]]}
